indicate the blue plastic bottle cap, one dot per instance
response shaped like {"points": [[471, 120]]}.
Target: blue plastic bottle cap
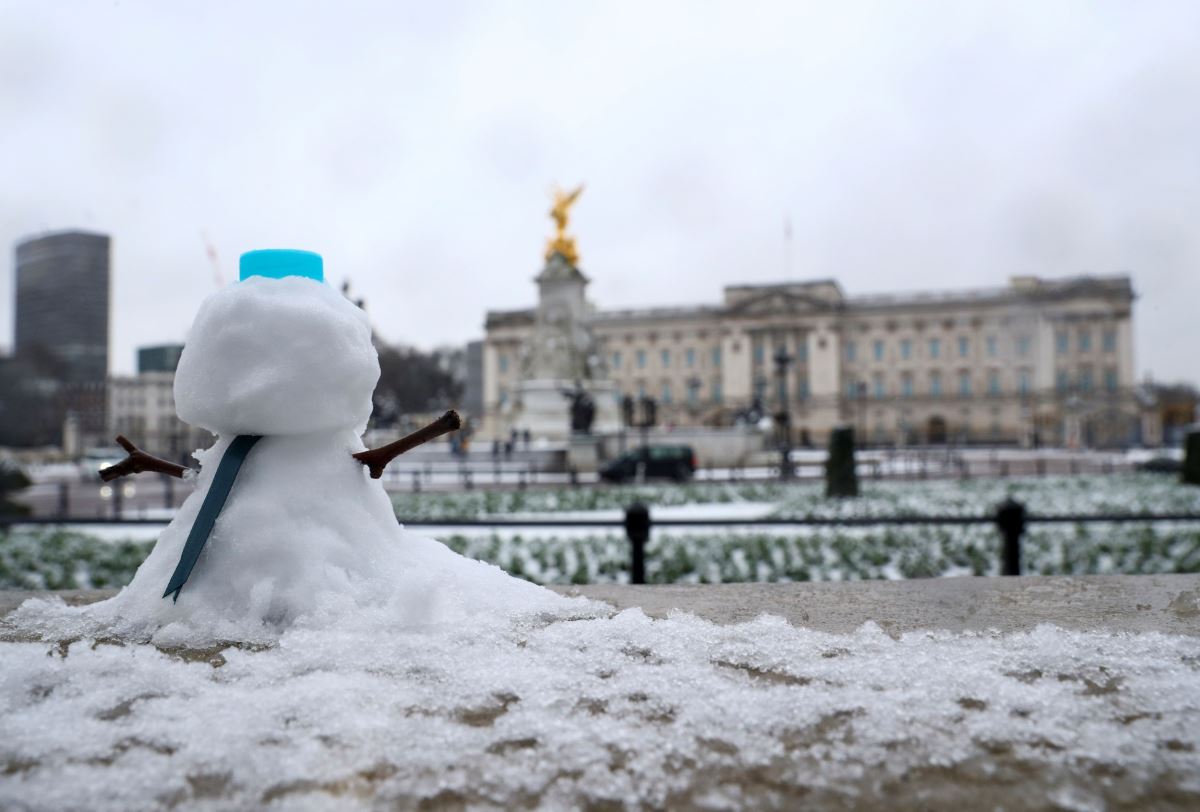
{"points": [[276, 263]]}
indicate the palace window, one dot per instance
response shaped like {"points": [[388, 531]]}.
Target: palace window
{"points": [[616, 359], [935, 384], [935, 347], [879, 388], [991, 346], [666, 359], [691, 358], [1110, 379], [1023, 345], [964, 346], [1109, 340], [641, 359], [1062, 381], [716, 390], [906, 385], [1085, 379], [716, 357], [851, 350], [964, 383], [1062, 342], [666, 392], [503, 364], [878, 350], [993, 382], [906, 349], [1023, 381], [1085, 340]]}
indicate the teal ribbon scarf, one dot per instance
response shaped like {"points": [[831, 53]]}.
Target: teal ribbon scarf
{"points": [[214, 500]]}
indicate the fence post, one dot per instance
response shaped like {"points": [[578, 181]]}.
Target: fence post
{"points": [[416, 481], [64, 499], [637, 528], [1010, 520]]}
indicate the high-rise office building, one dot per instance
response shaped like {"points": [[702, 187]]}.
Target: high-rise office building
{"points": [[62, 304], [61, 347]]}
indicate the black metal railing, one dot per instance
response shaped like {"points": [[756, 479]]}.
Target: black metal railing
{"points": [[1010, 519]]}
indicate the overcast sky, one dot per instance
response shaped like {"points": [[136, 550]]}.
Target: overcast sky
{"points": [[913, 145]]}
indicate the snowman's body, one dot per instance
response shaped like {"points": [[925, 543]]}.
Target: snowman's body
{"points": [[305, 531]]}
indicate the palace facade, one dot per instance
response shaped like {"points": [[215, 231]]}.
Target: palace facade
{"points": [[1038, 361]]}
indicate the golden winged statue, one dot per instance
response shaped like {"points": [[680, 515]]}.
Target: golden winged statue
{"points": [[560, 243]]}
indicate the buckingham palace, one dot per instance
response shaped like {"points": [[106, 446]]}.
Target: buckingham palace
{"points": [[1036, 361]]}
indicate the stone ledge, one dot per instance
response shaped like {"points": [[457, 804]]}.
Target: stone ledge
{"points": [[1130, 603]]}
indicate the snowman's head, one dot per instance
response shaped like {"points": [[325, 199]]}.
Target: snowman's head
{"points": [[279, 352]]}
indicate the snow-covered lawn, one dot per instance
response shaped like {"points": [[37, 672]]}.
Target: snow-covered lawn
{"points": [[1132, 493], [584, 710], [56, 559], [95, 557]]}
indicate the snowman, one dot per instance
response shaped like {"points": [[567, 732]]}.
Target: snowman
{"points": [[288, 519]]}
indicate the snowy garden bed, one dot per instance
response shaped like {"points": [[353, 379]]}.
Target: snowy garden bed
{"points": [[57, 559], [1132, 493], [97, 558]]}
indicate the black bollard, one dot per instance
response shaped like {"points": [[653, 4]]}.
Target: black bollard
{"points": [[1010, 520], [64, 500], [637, 528]]}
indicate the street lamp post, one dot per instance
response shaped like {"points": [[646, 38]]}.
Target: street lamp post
{"points": [[783, 419], [861, 391], [693, 385]]}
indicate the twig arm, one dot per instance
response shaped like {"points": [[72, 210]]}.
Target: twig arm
{"points": [[139, 461], [376, 459]]}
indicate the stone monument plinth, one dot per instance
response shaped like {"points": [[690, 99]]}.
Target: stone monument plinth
{"points": [[542, 406]]}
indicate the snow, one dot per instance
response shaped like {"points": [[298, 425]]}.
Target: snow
{"points": [[569, 707], [277, 356]]}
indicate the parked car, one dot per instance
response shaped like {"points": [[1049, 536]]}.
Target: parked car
{"points": [[1161, 465], [97, 459], [677, 462]]}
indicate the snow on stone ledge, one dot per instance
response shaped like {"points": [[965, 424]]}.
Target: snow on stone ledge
{"points": [[574, 711]]}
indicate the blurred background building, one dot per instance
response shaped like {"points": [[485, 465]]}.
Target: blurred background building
{"points": [[62, 303], [159, 358], [54, 385], [1038, 361], [142, 407]]}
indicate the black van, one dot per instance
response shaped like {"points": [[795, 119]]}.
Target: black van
{"points": [[677, 462]]}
